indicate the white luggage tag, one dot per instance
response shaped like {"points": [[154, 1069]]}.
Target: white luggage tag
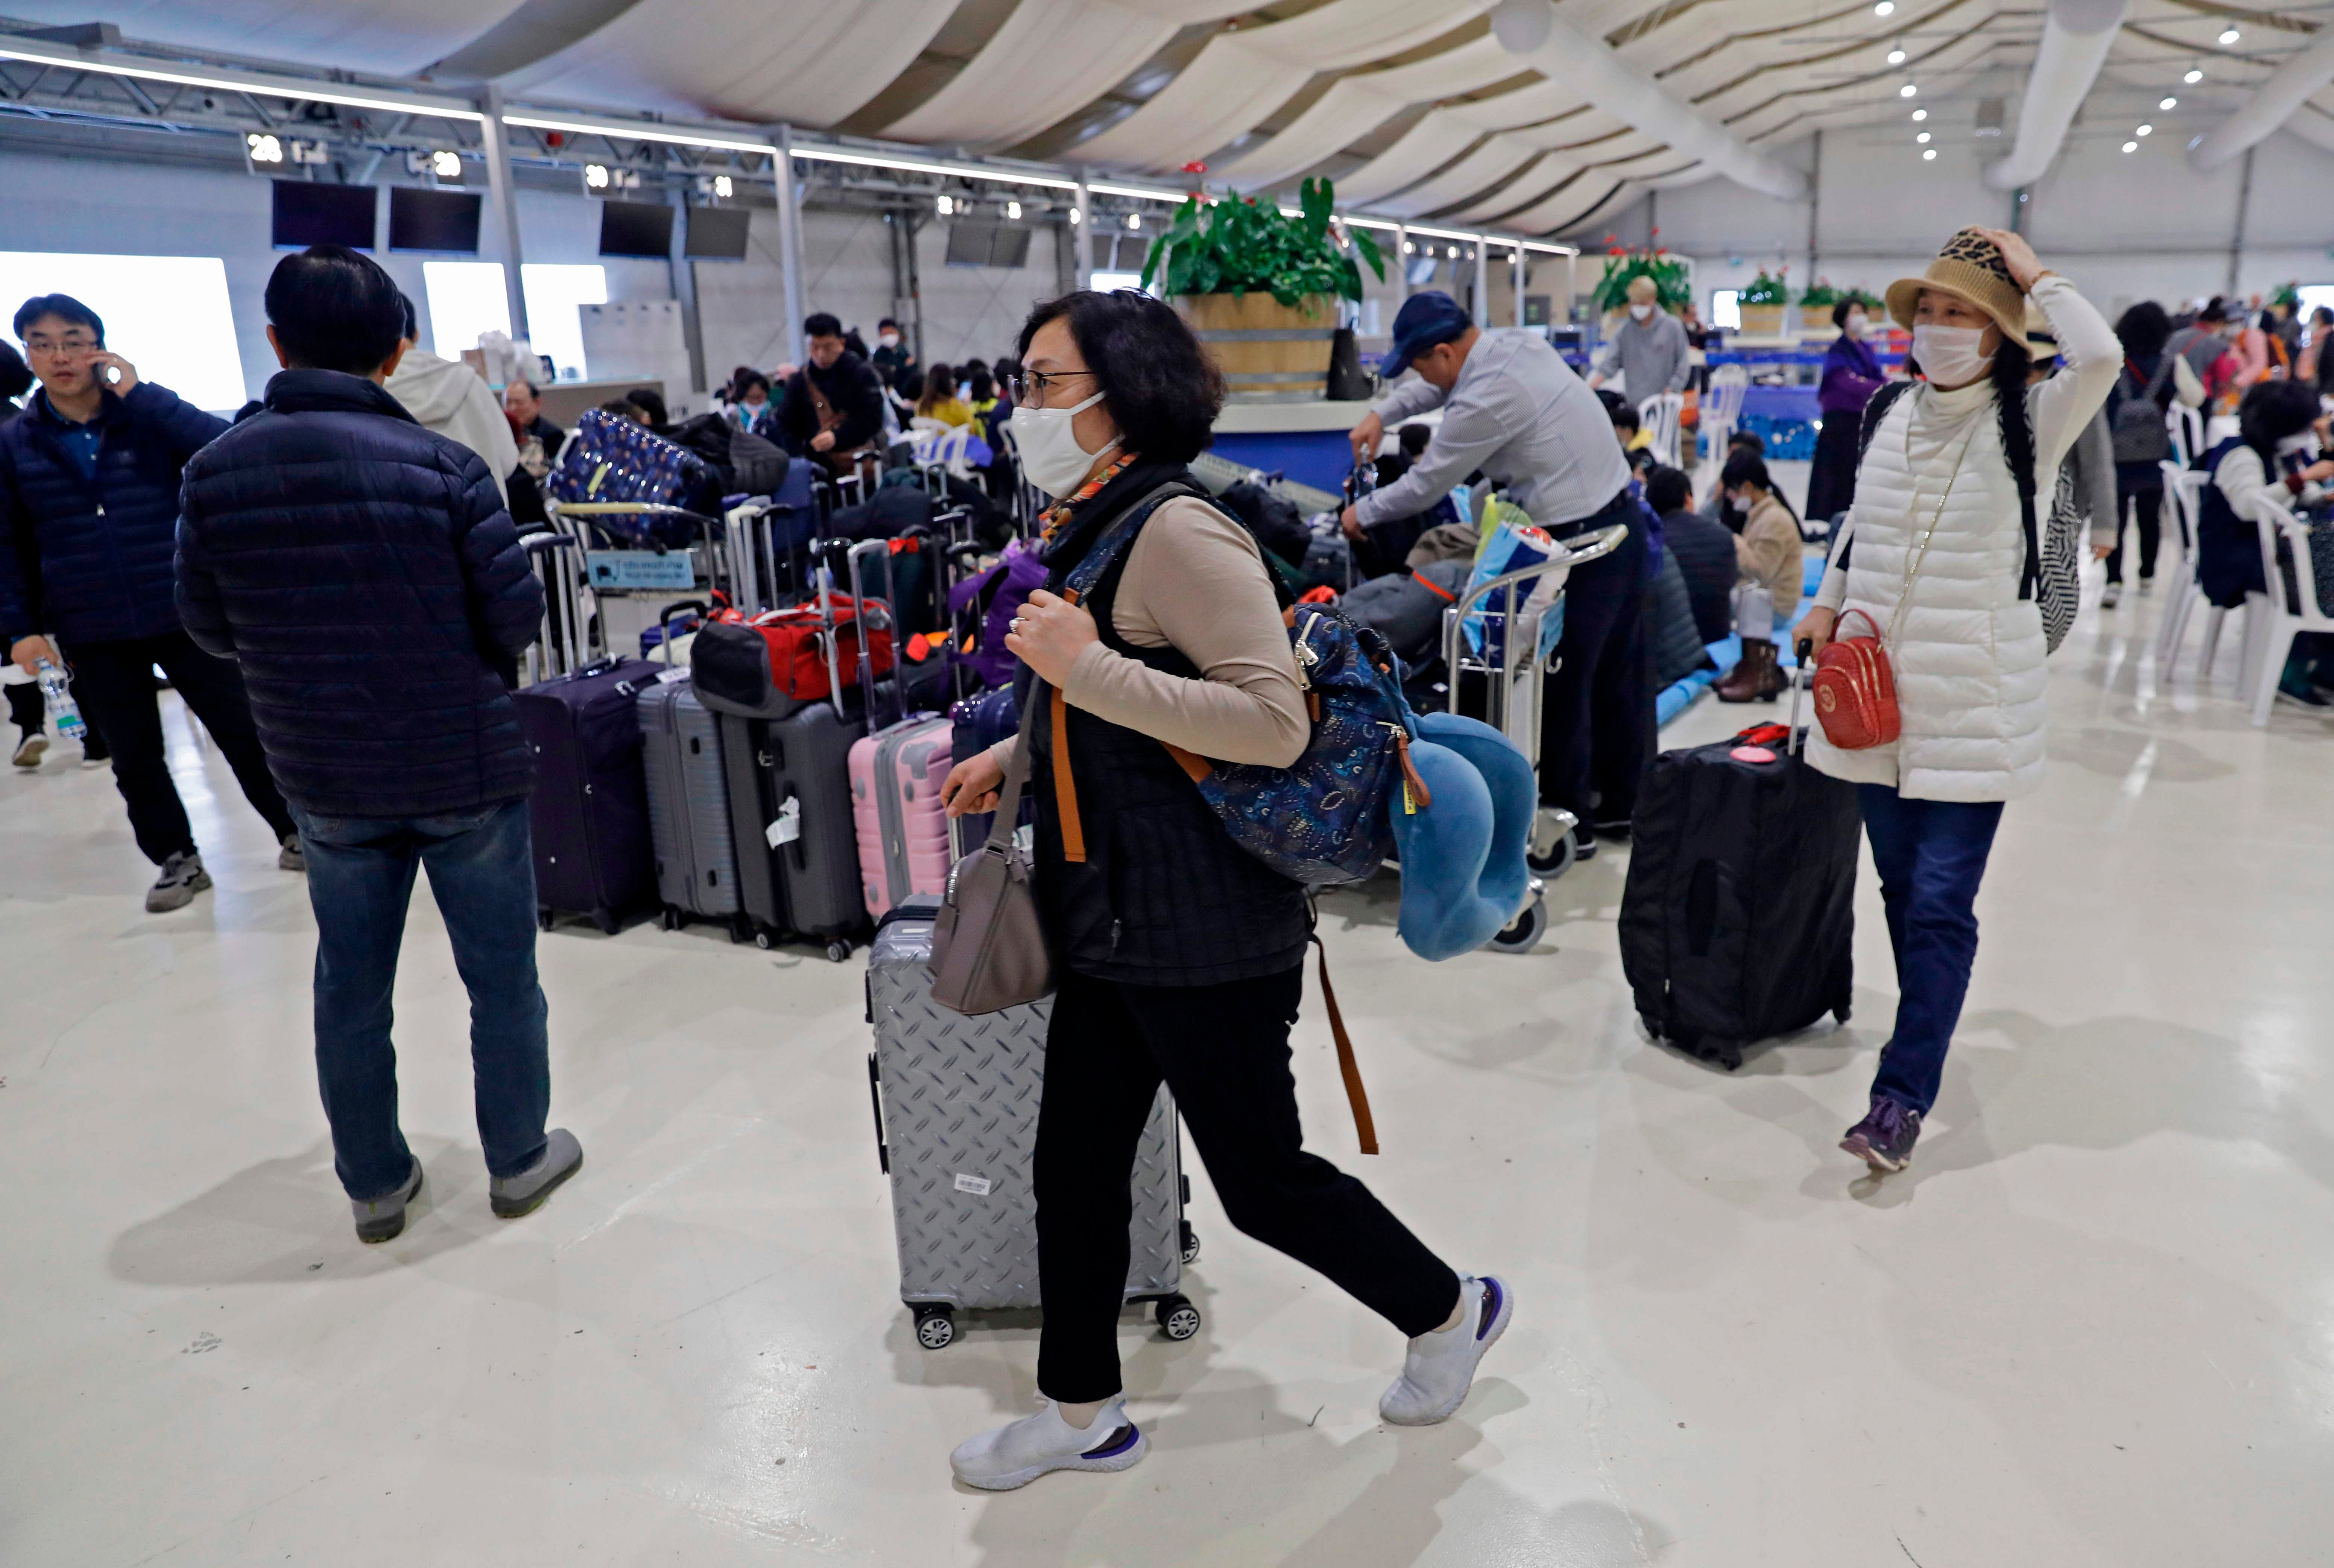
{"points": [[788, 827]]}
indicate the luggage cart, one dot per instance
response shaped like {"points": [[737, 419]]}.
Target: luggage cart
{"points": [[1511, 670], [618, 571]]}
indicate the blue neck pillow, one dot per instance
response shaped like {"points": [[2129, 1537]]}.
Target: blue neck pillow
{"points": [[1464, 876]]}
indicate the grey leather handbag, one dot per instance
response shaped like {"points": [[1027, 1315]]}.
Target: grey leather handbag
{"points": [[989, 950]]}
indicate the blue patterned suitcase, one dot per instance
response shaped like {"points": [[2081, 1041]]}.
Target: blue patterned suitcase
{"points": [[608, 459]]}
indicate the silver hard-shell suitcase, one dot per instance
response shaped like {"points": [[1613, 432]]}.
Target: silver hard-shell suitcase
{"points": [[689, 806], [956, 1124]]}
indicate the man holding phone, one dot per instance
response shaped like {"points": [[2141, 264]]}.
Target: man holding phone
{"points": [[89, 514]]}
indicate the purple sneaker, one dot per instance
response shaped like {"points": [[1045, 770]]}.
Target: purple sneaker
{"points": [[1883, 1139]]}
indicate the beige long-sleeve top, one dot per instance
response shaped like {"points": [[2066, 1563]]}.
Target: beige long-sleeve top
{"points": [[1196, 582], [1769, 552]]}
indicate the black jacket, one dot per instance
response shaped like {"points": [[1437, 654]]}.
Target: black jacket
{"points": [[1706, 555], [364, 574], [850, 385], [89, 559]]}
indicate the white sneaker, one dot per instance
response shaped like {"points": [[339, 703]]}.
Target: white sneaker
{"points": [[1017, 1454], [1440, 1366], [2110, 596]]}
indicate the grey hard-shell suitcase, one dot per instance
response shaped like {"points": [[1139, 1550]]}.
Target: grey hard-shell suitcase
{"points": [[690, 827], [955, 1125], [791, 822]]}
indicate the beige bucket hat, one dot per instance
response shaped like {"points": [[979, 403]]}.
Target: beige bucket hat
{"points": [[1970, 269]]}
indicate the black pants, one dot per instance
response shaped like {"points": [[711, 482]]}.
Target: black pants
{"points": [[1597, 718], [2147, 503], [1224, 1051], [114, 684]]}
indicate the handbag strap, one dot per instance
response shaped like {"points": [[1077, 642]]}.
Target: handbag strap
{"points": [[1904, 594], [1364, 1126], [1008, 821]]}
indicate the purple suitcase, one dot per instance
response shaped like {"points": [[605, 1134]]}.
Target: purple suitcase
{"points": [[591, 808]]}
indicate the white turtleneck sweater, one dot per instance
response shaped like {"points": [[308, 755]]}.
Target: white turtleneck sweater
{"points": [[1968, 653]]}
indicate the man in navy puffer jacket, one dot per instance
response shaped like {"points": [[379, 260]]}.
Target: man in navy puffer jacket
{"points": [[364, 574], [89, 502]]}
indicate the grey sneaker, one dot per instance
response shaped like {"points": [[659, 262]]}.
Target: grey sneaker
{"points": [[1013, 1455], [513, 1196], [183, 878], [31, 749], [384, 1218], [290, 857]]}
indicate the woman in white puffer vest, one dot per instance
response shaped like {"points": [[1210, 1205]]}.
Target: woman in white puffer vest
{"points": [[1935, 551]]}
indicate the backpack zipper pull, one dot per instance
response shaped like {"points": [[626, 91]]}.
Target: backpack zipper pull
{"points": [[1414, 796]]}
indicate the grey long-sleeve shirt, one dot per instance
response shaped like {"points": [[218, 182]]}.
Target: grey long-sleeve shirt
{"points": [[1650, 355], [1522, 415]]}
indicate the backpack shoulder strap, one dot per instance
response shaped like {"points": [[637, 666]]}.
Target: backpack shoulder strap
{"points": [[1875, 410]]}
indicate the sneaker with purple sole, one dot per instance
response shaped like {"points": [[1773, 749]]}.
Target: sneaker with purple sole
{"points": [[1883, 1139]]}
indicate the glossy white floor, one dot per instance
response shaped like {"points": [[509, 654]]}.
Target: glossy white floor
{"points": [[2093, 1326]]}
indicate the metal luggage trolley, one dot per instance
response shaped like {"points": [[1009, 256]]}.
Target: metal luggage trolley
{"points": [[1511, 672], [617, 572]]}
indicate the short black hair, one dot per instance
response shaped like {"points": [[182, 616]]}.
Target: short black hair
{"points": [[821, 325], [2144, 330], [1667, 490], [1746, 441], [1840, 312], [409, 328], [1416, 437], [1161, 389], [62, 306], [1624, 418], [887, 322], [334, 310], [2213, 311], [2272, 410], [984, 386], [651, 401], [1746, 469], [621, 410], [748, 381], [16, 376]]}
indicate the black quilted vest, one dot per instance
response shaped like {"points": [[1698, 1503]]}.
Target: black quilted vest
{"points": [[1164, 897]]}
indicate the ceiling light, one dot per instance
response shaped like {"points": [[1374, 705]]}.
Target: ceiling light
{"points": [[1919, 115], [722, 187], [1454, 253], [1886, 8], [946, 205], [1076, 216], [446, 164], [595, 177], [2228, 37], [1013, 209], [2146, 130], [1929, 156], [1907, 91], [2193, 78], [264, 148], [2131, 147], [1134, 220], [2169, 103], [1897, 55], [1408, 248], [1922, 140]]}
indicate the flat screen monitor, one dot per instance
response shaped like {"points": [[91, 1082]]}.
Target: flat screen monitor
{"points": [[307, 215], [438, 220], [718, 232], [636, 229]]}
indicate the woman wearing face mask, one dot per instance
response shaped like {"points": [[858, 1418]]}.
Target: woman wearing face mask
{"points": [[1771, 565], [2275, 453], [1936, 552], [1852, 373], [1178, 952]]}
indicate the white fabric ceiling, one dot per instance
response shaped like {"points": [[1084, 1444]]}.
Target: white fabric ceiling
{"points": [[1415, 111]]}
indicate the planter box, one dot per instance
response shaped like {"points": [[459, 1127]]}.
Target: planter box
{"points": [[1763, 321], [1268, 353]]}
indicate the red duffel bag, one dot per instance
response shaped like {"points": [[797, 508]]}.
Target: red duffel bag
{"points": [[780, 659]]}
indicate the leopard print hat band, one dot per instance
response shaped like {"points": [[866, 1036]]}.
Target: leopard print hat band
{"points": [[1969, 267]]}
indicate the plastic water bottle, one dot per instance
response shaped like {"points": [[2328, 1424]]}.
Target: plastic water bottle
{"points": [[65, 713]]}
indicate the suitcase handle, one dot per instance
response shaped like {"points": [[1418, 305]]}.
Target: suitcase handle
{"points": [[866, 634], [875, 1095]]}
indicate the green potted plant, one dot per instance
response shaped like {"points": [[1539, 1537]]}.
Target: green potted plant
{"points": [[1672, 283], [1261, 286], [1764, 304]]}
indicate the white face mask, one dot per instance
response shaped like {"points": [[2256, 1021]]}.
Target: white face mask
{"points": [[1051, 458], [888, 339], [1950, 355], [1856, 323], [1642, 312]]}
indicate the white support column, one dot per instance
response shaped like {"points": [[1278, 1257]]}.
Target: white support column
{"points": [[504, 199], [1081, 233], [790, 239], [1520, 276], [1478, 295], [1401, 264]]}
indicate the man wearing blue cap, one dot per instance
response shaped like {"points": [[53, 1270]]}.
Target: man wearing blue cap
{"points": [[1514, 410]]}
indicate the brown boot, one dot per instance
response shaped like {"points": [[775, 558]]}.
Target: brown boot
{"points": [[1758, 679]]}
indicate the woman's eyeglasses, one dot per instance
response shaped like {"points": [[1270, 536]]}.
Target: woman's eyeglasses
{"points": [[1033, 386]]}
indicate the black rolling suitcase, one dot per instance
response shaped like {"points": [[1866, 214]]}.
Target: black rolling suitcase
{"points": [[590, 810], [790, 813], [1738, 917]]}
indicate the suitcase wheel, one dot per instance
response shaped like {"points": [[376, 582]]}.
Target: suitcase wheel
{"points": [[1179, 1320], [936, 1327], [1840, 1014], [668, 919], [543, 919], [737, 928], [1523, 933], [1553, 860], [838, 950], [1191, 1244], [607, 922], [762, 940]]}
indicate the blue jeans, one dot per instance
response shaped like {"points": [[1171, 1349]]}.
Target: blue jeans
{"points": [[481, 866], [1931, 856]]}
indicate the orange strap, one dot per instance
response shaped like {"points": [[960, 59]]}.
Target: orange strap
{"points": [[1066, 788], [1355, 1095]]}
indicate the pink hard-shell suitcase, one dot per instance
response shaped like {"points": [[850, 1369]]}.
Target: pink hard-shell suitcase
{"points": [[896, 775]]}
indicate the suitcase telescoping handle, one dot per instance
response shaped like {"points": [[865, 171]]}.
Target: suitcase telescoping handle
{"points": [[672, 612], [866, 627], [561, 641], [1802, 677]]}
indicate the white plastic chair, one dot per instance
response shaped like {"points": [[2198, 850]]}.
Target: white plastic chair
{"points": [[2184, 499], [2280, 618], [1664, 414], [1722, 408], [2186, 426]]}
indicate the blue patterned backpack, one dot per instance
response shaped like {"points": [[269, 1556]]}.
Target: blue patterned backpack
{"points": [[1324, 819], [609, 458]]}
